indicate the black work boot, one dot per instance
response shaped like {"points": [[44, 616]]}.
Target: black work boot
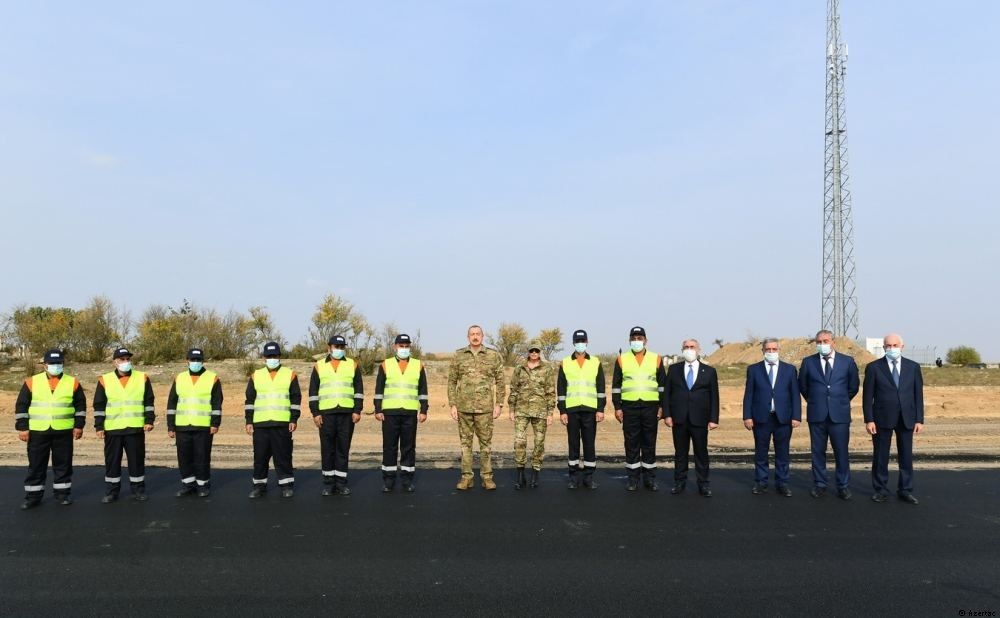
{"points": [[408, 486], [633, 483], [258, 491], [588, 480], [63, 498], [185, 490], [388, 484], [31, 501], [519, 480], [574, 478], [533, 479]]}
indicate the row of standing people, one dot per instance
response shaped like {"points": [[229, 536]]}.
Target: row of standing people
{"points": [[51, 410]]}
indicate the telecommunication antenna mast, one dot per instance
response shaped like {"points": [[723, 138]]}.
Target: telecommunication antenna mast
{"points": [[840, 301]]}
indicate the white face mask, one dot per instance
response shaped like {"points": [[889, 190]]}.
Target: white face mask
{"points": [[272, 363], [337, 354], [54, 369], [823, 348], [580, 347], [125, 367], [636, 346], [690, 355], [893, 353], [771, 357], [403, 353]]}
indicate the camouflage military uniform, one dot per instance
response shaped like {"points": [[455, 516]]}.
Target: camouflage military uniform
{"points": [[532, 399], [472, 380]]}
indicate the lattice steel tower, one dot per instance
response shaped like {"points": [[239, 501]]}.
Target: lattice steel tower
{"points": [[840, 301]]}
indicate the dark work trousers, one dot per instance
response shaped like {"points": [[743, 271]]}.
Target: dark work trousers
{"points": [[685, 437], [194, 456], [268, 443], [133, 445], [582, 428], [335, 446], [639, 427], [399, 438], [60, 445], [763, 433], [882, 444]]}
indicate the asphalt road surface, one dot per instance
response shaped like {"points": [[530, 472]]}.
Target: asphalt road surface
{"points": [[548, 551]]}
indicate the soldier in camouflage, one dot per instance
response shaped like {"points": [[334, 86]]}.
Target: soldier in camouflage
{"points": [[532, 401], [476, 387]]}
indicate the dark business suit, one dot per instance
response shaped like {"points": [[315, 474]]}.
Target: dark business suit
{"points": [[828, 411], [896, 410], [772, 411], [691, 411]]}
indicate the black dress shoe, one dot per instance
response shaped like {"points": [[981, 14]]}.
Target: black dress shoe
{"points": [[109, 498], [186, 490], [30, 503], [758, 489], [678, 488], [705, 492], [287, 492], [908, 498], [844, 493], [257, 492], [651, 486], [817, 492], [204, 492], [632, 485], [879, 497], [784, 490]]}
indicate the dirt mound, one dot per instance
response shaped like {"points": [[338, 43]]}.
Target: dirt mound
{"points": [[792, 351]]}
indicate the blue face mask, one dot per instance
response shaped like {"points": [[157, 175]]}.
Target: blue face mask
{"points": [[636, 346], [337, 354], [403, 353], [893, 353], [196, 366], [823, 349], [272, 363], [125, 367], [580, 347], [55, 370]]}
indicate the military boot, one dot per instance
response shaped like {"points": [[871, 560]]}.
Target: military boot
{"points": [[488, 483], [464, 483], [519, 480], [533, 480]]}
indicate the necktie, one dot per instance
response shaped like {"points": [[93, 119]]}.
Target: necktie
{"points": [[690, 376], [770, 373], [826, 368], [895, 374]]}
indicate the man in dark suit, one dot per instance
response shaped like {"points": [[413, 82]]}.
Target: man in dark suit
{"points": [[690, 404], [772, 407], [893, 401], [829, 381]]}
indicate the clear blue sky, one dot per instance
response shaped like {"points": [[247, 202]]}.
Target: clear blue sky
{"points": [[572, 164]]}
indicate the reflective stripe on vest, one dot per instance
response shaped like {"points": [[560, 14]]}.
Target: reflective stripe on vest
{"points": [[194, 399], [125, 409], [336, 386], [51, 409], [639, 381], [581, 382], [273, 402], [402, 390]]}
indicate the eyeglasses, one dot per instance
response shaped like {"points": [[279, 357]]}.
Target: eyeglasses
{"points": [[534, 351]]}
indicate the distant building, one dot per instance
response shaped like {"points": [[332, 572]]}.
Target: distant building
{"points": [[874, 346]]}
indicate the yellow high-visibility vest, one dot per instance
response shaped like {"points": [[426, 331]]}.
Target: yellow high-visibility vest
{"points": [[639, 381], [401, 389], [336, 386], [51, 409], [194, 399], [273, 402], [124, 409], [581, 382]]}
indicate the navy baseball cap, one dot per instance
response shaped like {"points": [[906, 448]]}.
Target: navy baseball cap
{"points": [[121, 353], [195, 354], [580, 336], [402, 338], [271, 348], [336, 340], [637, 331], [53, 357]]}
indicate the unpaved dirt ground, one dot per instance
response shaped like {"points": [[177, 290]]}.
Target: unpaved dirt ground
{"points": [[961, 425]]}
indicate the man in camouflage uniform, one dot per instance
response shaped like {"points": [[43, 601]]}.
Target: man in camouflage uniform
{"points": [[475, 389], [532, 400]]}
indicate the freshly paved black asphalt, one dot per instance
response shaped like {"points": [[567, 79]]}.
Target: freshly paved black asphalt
{"points": [[547, 551]]}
